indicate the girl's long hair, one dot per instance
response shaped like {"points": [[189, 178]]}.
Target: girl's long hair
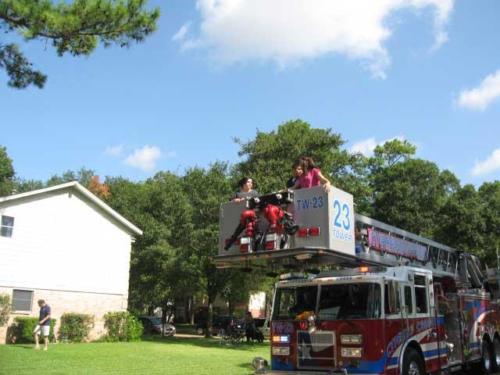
{"points": [[305, 162]]}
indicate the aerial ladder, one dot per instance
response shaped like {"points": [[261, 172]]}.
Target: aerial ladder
{"points": [[318, 228]]}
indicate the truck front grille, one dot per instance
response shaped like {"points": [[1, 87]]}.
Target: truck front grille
{"points": [[315, 350]]}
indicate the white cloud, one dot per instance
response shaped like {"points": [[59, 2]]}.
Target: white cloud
{"points": [[364, 147], [441, 38], [480, 97], [114, 150], [144, 158], [489, 165], [181, 33], [367, 146], [287, 31]]}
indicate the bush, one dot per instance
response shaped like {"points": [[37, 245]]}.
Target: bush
{"points": [[75, 327], [4, 308], [22, 329], [122, 326]]}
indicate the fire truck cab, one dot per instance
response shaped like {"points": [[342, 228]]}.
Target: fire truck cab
{"points": [[392, 302], [380, 320]]}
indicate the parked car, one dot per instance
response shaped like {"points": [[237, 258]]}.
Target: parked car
{"points": [[218, 323], [153, 325]]}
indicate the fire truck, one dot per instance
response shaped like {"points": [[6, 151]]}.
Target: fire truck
{"points": [[359, 296]]}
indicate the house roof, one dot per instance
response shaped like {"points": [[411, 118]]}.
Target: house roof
{"points": [[86, 193]]}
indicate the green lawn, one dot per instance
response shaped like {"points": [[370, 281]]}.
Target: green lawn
{"points": [[154, 356]]}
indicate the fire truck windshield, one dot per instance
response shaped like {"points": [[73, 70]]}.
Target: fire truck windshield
{"points": [[337, 301]]}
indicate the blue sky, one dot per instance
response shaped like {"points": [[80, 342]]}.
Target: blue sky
{"points": [[424, 70]]}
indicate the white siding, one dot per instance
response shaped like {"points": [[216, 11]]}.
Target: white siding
{"points": [[61, 242]]}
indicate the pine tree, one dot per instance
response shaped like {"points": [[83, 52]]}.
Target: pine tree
{"points": [[72, 27]]}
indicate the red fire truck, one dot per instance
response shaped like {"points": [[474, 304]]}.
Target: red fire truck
{"points": [[391, 302]]}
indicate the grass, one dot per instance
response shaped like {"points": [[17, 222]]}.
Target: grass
{"points": [[173, 355]]}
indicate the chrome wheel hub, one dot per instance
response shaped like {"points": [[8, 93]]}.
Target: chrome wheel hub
{"points": [[413, 369], [486, 360]]}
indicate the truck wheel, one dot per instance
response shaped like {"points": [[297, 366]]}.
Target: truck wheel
{"points": [[496, 354], [412, 363], [486, 358], [485, 364]]}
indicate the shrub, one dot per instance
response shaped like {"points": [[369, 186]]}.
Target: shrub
{"points": [[122, 326], [4, 308], [22, 329], [75, 327]]}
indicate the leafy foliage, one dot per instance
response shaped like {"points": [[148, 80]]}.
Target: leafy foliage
{"points": [[19, 69], [99, 189], [83, 176], [75, 327], [206, 189], [73, 27], [269, 157], [462, 221], [122, 326], [23, 186], [4, 308], [391, 152], [489, 194], [161, 207], [22, 329], [6, 173], [410, 195]]}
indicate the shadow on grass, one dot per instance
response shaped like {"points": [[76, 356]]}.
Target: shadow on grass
{"points": [[214, 343], [23, 346], [186, 328], [247, 366]]}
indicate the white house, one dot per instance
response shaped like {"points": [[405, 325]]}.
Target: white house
{"points": [[66, 246]]}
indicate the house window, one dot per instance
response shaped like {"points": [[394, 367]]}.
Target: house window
{"points": [[7, 226], [22, 300]]}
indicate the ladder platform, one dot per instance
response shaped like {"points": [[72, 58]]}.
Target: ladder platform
{"points": [[297, 257], [326, 231]]}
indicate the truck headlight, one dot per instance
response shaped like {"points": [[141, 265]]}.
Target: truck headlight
{"points": [[281, 339], [351, 352], [351, 339]]}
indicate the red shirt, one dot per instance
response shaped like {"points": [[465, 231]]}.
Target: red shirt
{"points": [[309, 179]]}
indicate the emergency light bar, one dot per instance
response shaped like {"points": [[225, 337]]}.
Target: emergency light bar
{"points": [[309, 232], [354, 271]]}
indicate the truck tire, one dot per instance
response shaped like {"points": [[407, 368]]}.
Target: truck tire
{"points": [[485, 364], [412, 363], [496, 354]]}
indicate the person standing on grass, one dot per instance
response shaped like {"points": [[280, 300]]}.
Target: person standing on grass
{"points": [[249, 326], [43, 325]]}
